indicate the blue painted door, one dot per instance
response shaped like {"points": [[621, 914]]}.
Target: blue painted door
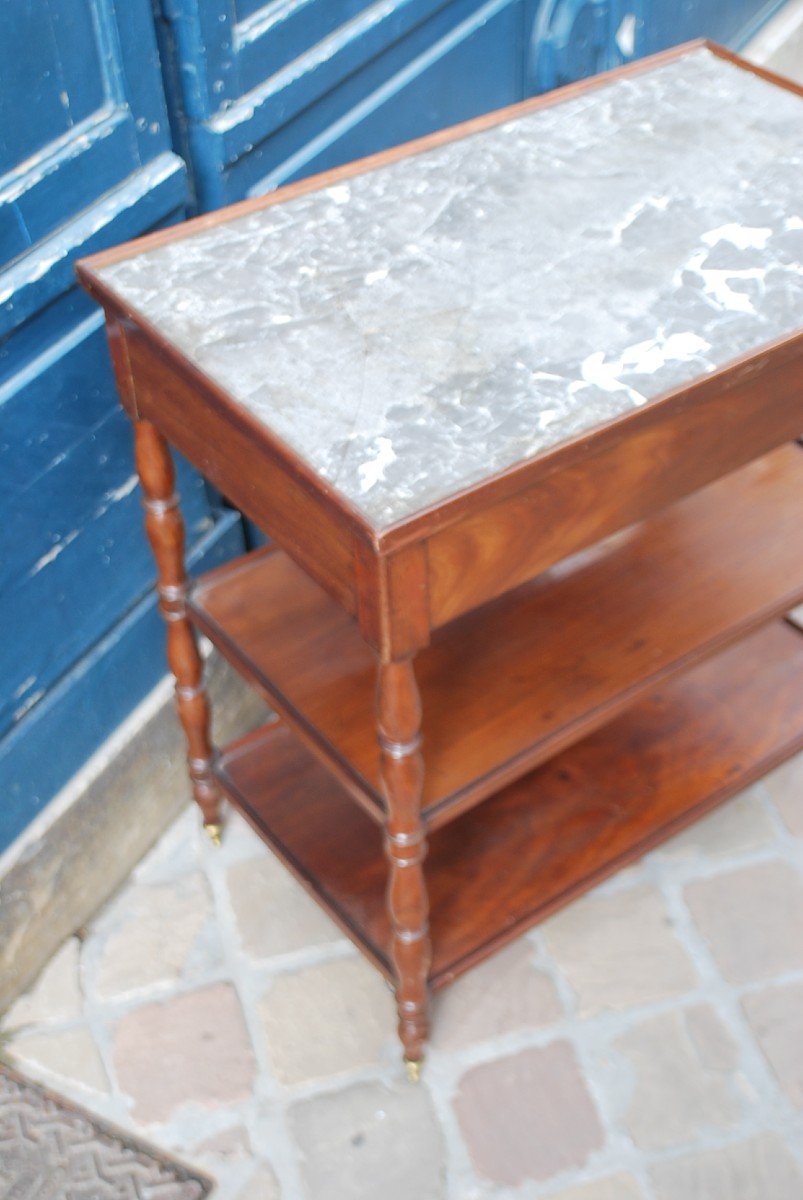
{"points": [[273, 91], [85, 161], [576, 38], [265, 92]]}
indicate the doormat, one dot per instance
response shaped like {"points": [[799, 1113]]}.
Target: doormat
{"points": [[52, 1150]]}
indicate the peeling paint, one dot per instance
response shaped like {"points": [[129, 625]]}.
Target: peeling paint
{"points": [[29, 703], [53, 554]]}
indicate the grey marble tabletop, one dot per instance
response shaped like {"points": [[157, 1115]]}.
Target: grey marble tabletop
{"points": [[423, 326]]}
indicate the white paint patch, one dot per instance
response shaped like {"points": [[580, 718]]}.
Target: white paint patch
{"points": [[29, 703], [793, 223], [340, 193], [744, 237], [717, 283], [657, 203], [376, 276], [642, 358], [125, 489], [546, 417], [53, 554], [24, 686], [626, 35], [373, 471]]}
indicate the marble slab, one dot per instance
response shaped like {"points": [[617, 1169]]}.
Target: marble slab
{"points": [[421, 327]]}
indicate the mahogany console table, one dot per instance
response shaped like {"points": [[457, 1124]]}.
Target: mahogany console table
{"points": [[518, 405]]}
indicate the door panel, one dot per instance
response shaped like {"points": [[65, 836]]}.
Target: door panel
{"points": [[425, 94], [279, 76], [86, 162], [576, 38]]}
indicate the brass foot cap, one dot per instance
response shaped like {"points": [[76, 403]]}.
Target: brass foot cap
{"points": [[413, 1068], [214, 832]]}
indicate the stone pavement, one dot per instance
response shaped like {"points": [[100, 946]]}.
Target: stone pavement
{"points": [[644, 1044]]}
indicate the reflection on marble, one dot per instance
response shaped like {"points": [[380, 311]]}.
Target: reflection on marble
{"points": [[426, 325]]}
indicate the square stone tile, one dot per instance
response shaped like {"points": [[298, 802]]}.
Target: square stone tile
{"points": [[752, 919], [776, 1018], [613, 1187], [618, 951], [758, 1169], [327, 1019], [785, 786], [151, 933], [527, 1116], [56, 995], [370, 1142], [274, 914], [263, 1185], [737, 827], [503, 994], [190, 1049], [684, 1066], [70, 1055]]}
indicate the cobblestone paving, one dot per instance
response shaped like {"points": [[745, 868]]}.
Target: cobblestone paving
{"points": [[646, 1043]]}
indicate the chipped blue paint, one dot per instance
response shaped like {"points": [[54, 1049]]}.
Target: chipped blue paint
{"points": [[69, 721], [85, 163], [263, 80]]}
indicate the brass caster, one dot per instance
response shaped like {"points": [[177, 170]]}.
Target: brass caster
{"points": [[214, 832], [413, 1068]]}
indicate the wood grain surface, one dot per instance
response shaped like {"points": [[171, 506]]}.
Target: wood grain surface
{"points": [[510, 684], [551, 835]]}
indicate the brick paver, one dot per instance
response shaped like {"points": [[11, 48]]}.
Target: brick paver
{"points": [[685, 1079], [528, 1115], [759, 1169], [153, 935], [326, 1019], [188, 1049], [506, 993], [752, 919], [273, 916], [613, 1187], [69, 1054], [619, 951], [370, 1142], [643, 1044], [776, 1017], [785, 786]]}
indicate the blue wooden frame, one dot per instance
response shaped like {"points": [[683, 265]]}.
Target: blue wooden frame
{"points": [[90, 164]]}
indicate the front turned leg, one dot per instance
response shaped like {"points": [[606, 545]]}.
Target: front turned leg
{"points": [[402, 767], [165, 528]]}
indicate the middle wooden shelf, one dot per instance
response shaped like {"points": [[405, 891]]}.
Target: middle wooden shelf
{"points": [[509, 685]]}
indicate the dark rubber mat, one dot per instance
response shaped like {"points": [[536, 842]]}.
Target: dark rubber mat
{"points": [[52, 1150]]}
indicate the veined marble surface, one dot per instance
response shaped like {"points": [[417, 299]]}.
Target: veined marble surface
{"points": [[424, 326]]}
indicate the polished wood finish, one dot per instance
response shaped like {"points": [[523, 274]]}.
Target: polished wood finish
{"points": [[225, 444], [547, 838], [620, 480], [398, 713], [508, 685], [165, 530], [562, 595]]}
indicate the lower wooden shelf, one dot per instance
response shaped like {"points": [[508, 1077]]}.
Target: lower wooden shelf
{"points": [[506, 687], [541, 841]]}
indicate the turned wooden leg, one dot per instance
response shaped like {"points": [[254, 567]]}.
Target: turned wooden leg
{"points": [[399, 721], [165, 529]]}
